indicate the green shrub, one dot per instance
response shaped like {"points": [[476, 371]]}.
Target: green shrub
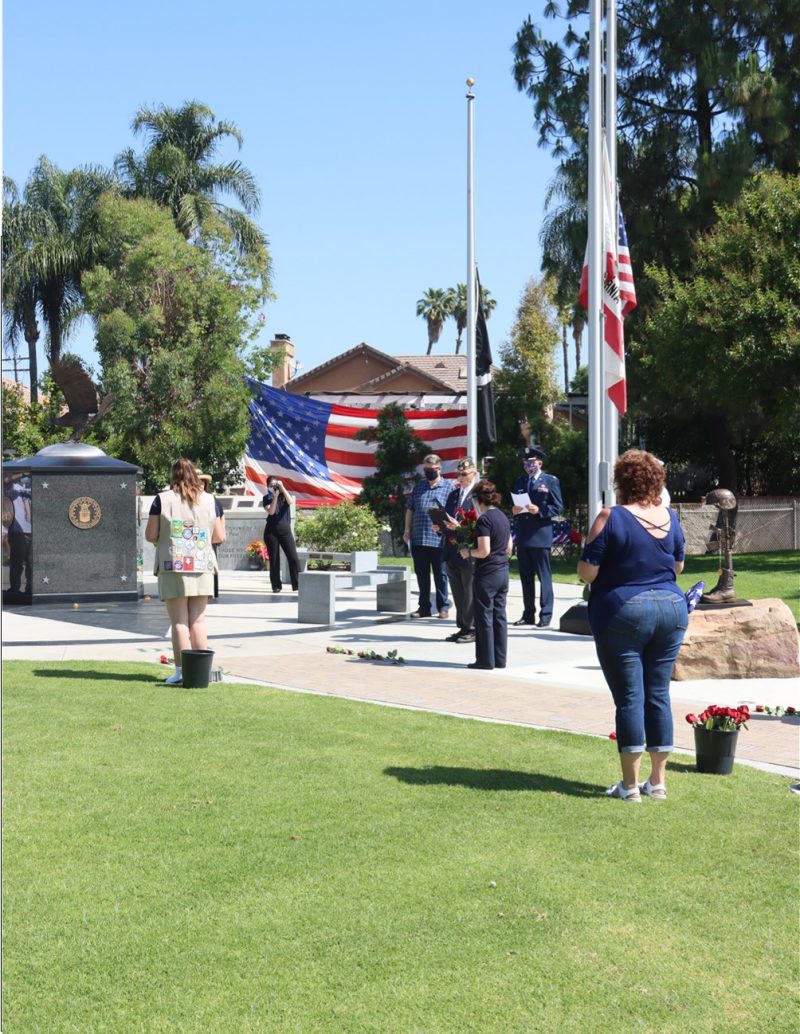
{"points": [[338, 529]]}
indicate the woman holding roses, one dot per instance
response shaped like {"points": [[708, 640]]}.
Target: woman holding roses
{"points": [[490, 581], [638, 616]]}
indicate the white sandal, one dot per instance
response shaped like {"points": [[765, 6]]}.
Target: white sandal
{"points": [[655, 790], [618, 790]]}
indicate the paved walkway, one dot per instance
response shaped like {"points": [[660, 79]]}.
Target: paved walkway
{"points": [[552, 680]]}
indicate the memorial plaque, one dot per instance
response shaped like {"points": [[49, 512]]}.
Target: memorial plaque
{"points": [[83, 524]]}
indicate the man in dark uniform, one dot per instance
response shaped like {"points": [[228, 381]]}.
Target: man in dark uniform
{"points": [[460, 572], [533, 535]]}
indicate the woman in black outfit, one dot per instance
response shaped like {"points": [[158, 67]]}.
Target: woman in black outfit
{"points": [[278, 533], [490, 584]]}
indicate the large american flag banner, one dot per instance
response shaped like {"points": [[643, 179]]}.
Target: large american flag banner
{"points": [[619, 293], [310, 445]]}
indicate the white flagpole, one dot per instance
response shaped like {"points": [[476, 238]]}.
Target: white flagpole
{"points": [[610, 412], [472, 386], [595, 259]]}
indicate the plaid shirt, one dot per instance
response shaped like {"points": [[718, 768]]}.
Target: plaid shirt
{"points": [[423, 497]]}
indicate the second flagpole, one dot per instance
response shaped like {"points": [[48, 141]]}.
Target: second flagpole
{"points": [[472, 388]]}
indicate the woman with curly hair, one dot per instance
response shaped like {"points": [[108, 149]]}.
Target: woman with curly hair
{"points": [[638, 616], [490, 581], [183, 525]]}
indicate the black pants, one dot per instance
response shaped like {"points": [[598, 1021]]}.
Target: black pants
{"points": [[460, 577], [281, 536], [491, 628], [19, 560], [534, 562]]}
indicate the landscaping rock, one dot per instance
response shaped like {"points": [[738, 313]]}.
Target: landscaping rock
{"points": [[759, 641]]}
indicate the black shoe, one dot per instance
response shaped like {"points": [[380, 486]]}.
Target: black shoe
{"points": [[499, 665], [524, 621], [279, 589], [419, 614], [453, 638], [465, 637], [481, 667], [543, 624]]}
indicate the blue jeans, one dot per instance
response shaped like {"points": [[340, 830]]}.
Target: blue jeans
{"points": [[637, 650], [425, 558]]}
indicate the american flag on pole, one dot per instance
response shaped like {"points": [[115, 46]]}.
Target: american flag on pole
{"points": [[310, 445], [619, 293]]}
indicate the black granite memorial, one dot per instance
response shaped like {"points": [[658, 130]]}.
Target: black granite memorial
{"points": [[69, 523]]}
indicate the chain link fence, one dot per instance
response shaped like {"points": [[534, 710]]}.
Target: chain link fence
{"points": [[763, 525]]}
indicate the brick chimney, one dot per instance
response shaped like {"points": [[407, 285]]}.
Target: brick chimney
{"points": [[282, 373]]}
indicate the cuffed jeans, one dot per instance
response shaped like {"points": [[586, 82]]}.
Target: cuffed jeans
{"points": [[426, 558], [637, 650]]}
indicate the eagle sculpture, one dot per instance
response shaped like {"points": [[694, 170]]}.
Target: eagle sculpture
{"points": [[84, 406]]}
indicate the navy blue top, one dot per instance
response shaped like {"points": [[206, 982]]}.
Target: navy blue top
{"points": [[283, 511], [495, 525], [155, 507], [631, 560]]}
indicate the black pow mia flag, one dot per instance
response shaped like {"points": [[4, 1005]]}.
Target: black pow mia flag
{"points": [[487, 430]]}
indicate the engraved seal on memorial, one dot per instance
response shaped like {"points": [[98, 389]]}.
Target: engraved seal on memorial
{"points": [[84, 512]]}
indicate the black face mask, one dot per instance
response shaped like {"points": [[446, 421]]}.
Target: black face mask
{"points": [[431, 475]]}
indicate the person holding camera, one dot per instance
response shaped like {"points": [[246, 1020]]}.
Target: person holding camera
{"points": [[278, 533]]}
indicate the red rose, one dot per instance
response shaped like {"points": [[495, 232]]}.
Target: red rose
{"points": [[612, 735], [163, 659], [791, 710], [759, 708], [692, 719]]}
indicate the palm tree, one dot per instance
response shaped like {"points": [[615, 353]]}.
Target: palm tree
{"points": [[459, 312], [55, 237], [177, 170], [563, 239], [434, 307], [19, 297]]}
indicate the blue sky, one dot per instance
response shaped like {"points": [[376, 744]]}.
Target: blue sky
{"points": [[354, 123]]}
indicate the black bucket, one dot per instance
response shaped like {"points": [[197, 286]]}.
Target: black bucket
{"points": [[196, 665]]}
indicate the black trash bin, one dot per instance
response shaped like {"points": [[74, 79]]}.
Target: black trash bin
{"points": [[196, 665]]}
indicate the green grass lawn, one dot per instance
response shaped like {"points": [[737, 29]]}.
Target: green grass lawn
{"points": [[759, 576], [243, 859]]}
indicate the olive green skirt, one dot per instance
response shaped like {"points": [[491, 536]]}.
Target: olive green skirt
{"points": [[175, 584]]}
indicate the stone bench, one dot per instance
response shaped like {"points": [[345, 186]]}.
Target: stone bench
{"points": [[318, 589]]}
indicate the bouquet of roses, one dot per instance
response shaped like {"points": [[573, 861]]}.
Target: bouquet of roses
{"points": [[464, 534], [726, 719]]}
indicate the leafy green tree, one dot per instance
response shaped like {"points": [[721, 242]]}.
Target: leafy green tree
{"points": [[53, 238], [397, 454], [345, 528], [434, 307], [526, 385], [724, 347], [173, 333], [178, 171], [29, 426]]}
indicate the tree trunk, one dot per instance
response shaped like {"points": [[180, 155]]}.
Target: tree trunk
{"points": [[32, 338], [577, 337], [566, 356]]}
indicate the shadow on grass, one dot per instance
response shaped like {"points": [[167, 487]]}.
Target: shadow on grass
{"points": [[96, 676], [681, 766], [493, 779]]}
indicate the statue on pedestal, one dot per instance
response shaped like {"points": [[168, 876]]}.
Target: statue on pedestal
{"points": [[725, 502]]}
